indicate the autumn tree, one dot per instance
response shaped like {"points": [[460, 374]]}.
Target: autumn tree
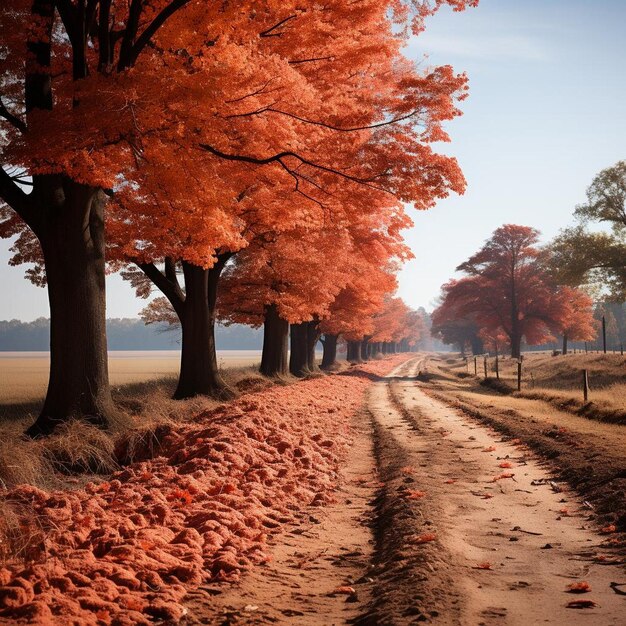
{"points": [[100, 99], [508, 288], [574, 315], [453, 327]]}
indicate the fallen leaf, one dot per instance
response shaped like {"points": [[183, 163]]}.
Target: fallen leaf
{"points": [[506, 465], [580, 587], [408, 470], [564, 512], [426, 537], [414, 494], [483, 565], [345, 590], [502, 476], [607, 530], [489, 449], [581, 604], [450, 481]]}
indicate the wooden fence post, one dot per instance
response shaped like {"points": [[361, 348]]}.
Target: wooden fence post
{"points": [[497, 367], [585, 385], [475, 367], [604, 334], [519, 375]]}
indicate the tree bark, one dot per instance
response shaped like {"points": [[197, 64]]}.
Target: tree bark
{"points": [[199, 373], [477, 345], [298, 359], [312, 338], [274, 359], [329, 358], [72, 241], [354, 352], [364, 349]]}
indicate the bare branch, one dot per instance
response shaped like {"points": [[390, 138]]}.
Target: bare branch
{"points": [[269, 32], [15, 121]]}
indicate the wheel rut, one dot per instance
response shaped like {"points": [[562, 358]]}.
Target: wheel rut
{"points": [[471, 528]]}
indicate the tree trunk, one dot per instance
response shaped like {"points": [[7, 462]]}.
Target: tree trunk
{"points": [[516, 345], [364, 349], [199, 374], [312, 338], [477, 345], [329, 358], [274, 359], [354, 352], [298, 359], [564, 343], [72, 242]]}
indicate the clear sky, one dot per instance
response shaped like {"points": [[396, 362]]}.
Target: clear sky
{"points": [[547, 110]]}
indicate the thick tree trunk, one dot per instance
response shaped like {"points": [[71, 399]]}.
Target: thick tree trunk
{"points": [[564, 343], [354, 352], [199, 373], [312, 337], [275, 359], [477, 345], [364, 349], [72, 241], [298, 359], [516, 345], [329, 358]]}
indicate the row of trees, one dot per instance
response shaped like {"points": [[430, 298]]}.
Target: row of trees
{"points": [[257, 149]]}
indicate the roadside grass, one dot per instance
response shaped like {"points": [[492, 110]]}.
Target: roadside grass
{"points": [[78, 452], [557, 380]]}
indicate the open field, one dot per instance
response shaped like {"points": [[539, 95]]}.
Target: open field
{"points": [[24, 375]]}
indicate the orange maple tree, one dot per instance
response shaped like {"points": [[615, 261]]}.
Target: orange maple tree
{"points": [[104, 104]]}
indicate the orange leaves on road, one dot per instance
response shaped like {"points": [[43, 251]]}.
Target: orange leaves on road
{"points": [[345, 589], [506, 465], [414, 494], [502, 476], [425, 538], [581, 604], [579, 587], [483, 565], [408, 470], [450, 481], [489, 449], [180, 496], [607, 530]]}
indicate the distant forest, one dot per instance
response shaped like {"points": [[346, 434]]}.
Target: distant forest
{"points": [[124, 334]]}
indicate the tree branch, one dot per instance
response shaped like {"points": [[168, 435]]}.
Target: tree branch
{"points": [[170, 290], [151, 29], [19, 201], [15, 121], [269, 33]]}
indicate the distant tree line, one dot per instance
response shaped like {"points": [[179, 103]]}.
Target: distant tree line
{"points": [[124, 334]]}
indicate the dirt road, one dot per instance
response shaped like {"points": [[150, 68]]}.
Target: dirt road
{"points": [[438, 519]]}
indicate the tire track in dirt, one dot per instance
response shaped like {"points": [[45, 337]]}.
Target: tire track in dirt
{"points": [[490, 503]]}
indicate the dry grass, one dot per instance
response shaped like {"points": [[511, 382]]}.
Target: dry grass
{"points": [[147, 414], [558, 381]]}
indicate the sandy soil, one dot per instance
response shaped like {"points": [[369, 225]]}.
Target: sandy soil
{"points": [[460, 526], [503, 511]]}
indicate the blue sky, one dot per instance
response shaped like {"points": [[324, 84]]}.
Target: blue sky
{"points": [[547, 110]]}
